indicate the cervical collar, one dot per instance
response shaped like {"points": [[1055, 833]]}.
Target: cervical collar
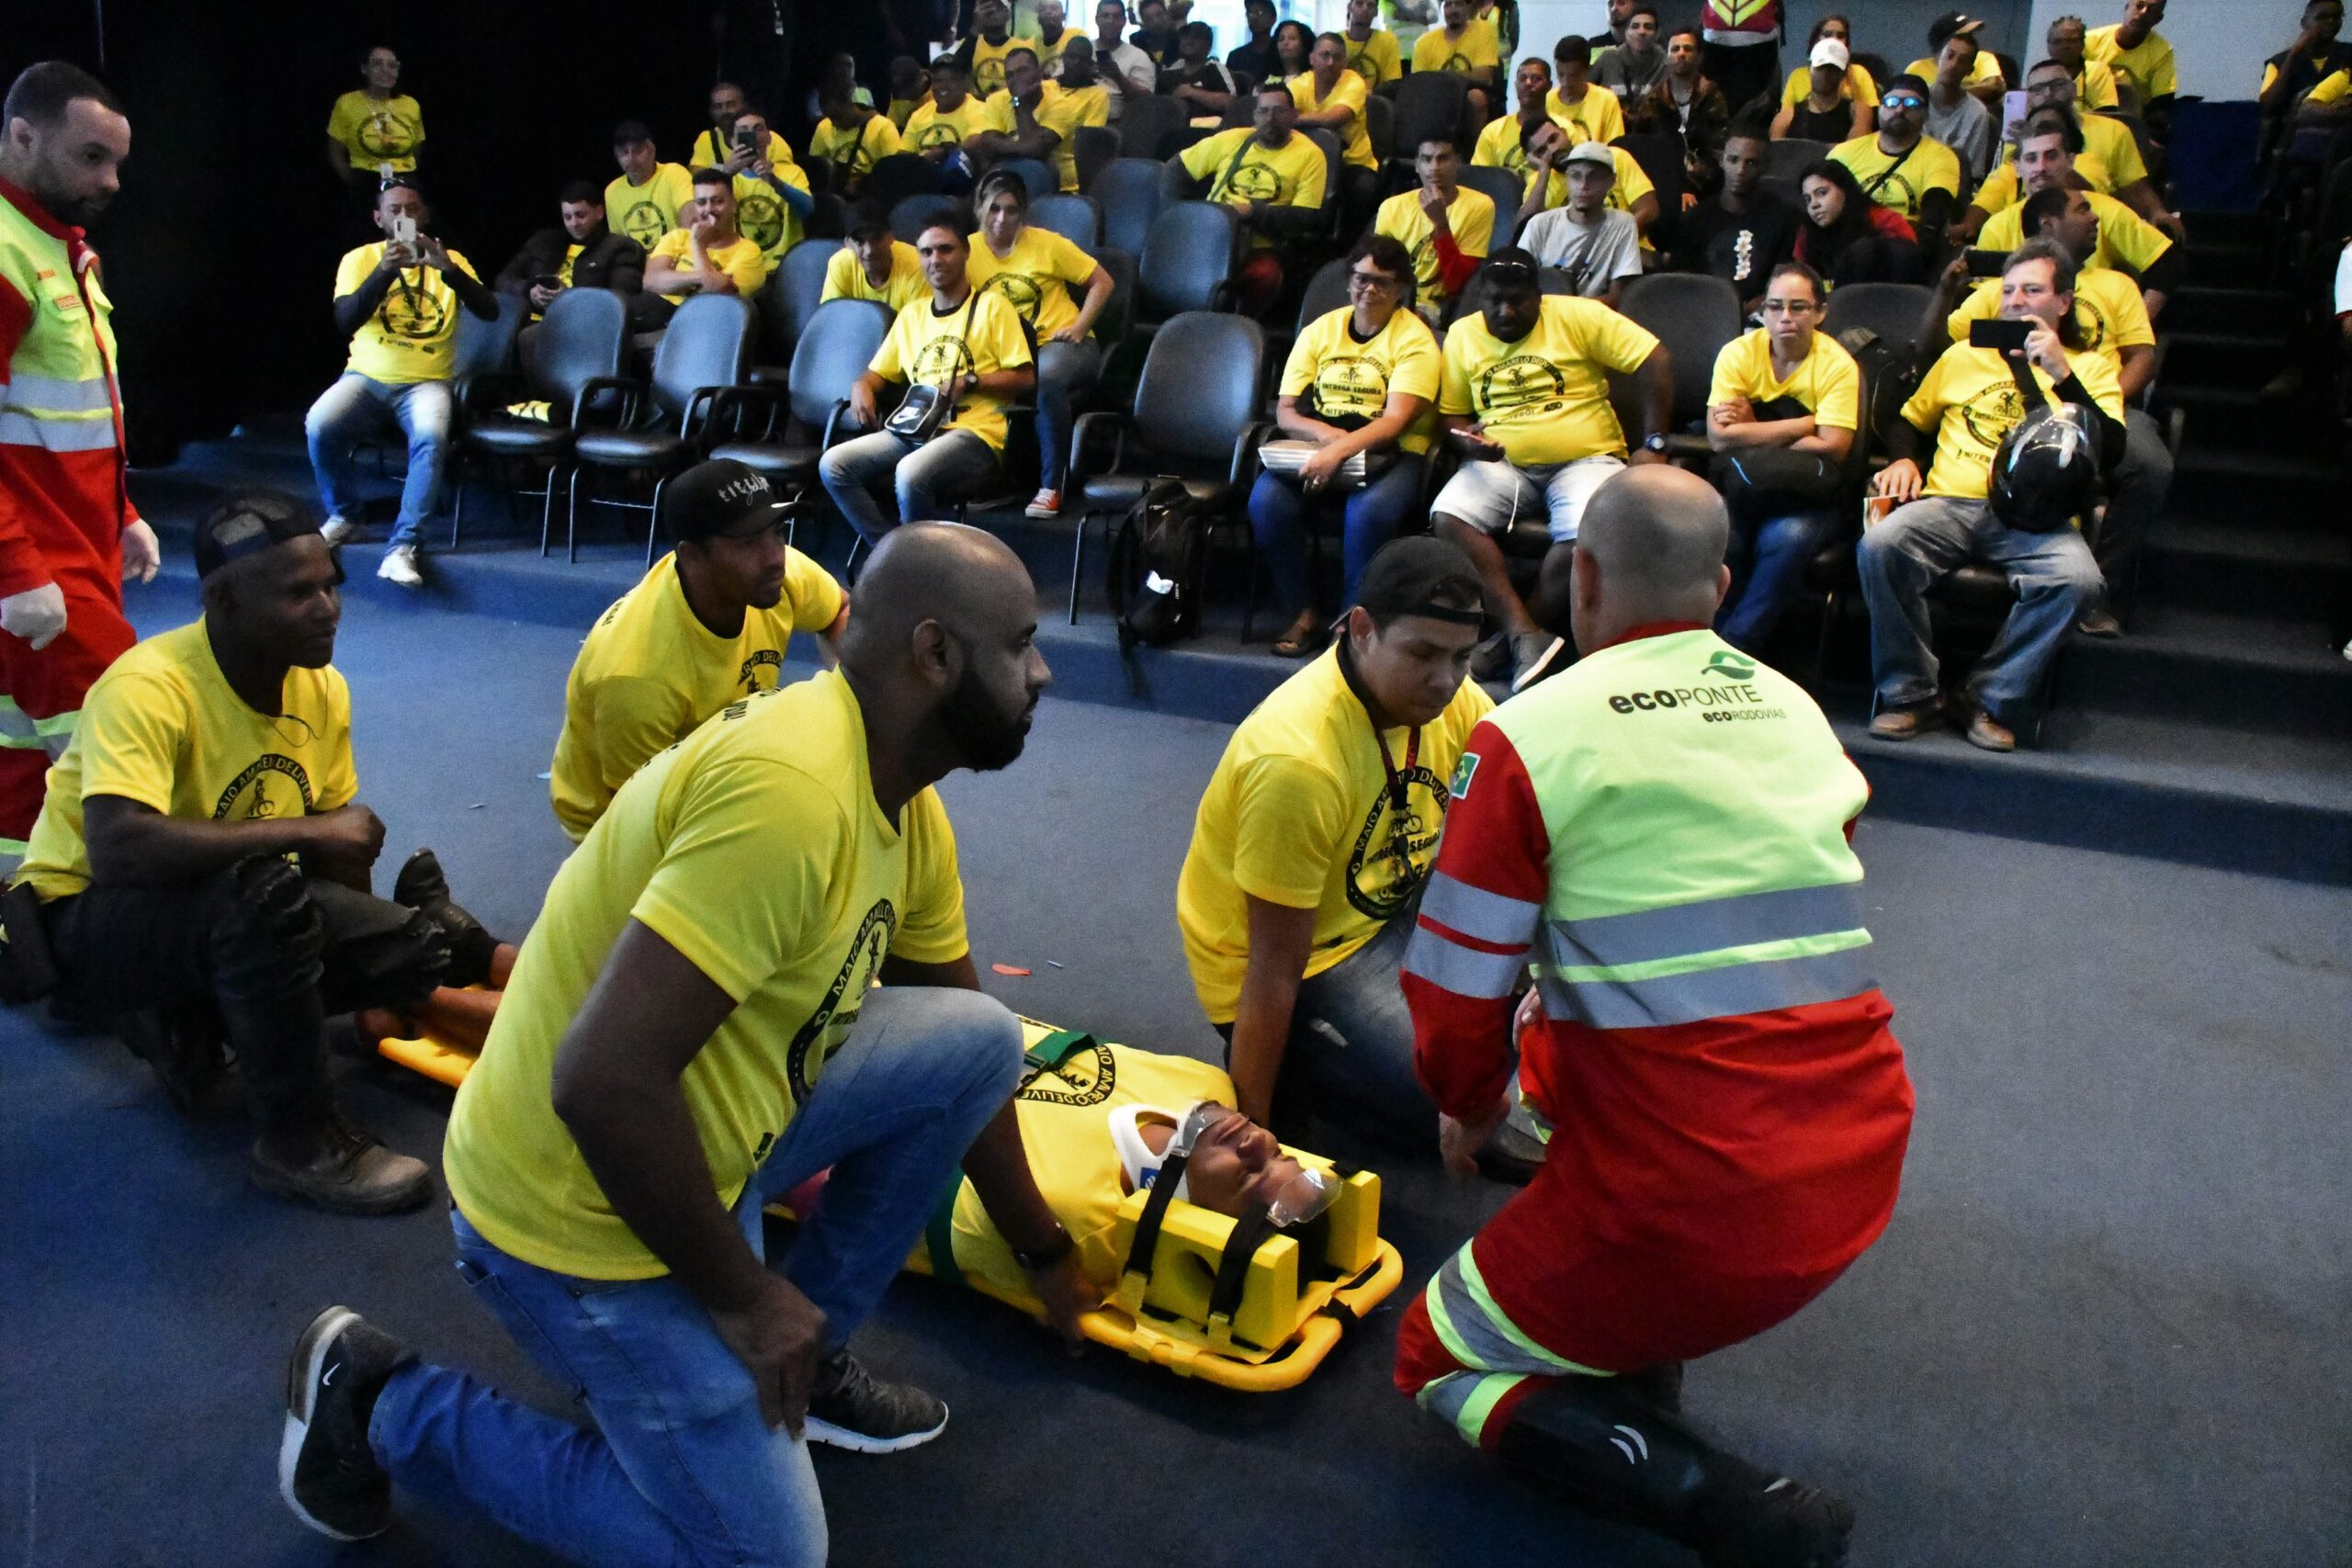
{"points": [[1135, 1158]]}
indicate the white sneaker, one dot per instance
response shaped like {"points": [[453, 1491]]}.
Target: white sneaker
{"points": [[399, 565], [336, 529]]}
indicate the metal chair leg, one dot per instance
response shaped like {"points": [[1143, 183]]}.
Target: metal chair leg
{"points": [[547, 509], [1077, 563], [654, 521], [571, 513], [457, 483]]}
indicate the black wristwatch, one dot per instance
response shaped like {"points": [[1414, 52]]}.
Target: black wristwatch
{"points": [[1061, 1247]]}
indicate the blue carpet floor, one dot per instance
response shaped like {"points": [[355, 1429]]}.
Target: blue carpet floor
{"points": [[2108, 1326]]}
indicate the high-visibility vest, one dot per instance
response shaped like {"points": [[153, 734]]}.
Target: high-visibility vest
{"points": [[1696, 807], [62, 394]]}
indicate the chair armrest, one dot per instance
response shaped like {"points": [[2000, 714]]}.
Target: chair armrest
{"points": [[632, 394], [834, 433], [701, 396], [733, 403], [488, 392], [1092, 432], [1254, 435]]}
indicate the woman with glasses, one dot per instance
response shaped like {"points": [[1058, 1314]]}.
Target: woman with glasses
{"points": [[1361, 379], [1035, 269], [1781, 417]]}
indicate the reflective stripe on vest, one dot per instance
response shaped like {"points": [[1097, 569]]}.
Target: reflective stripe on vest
{"points": [[20, 731], [55, 434], [60, 394]]}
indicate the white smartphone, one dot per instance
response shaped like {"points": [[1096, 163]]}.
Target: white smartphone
{"points": [[405, 229], [2013, 110]]}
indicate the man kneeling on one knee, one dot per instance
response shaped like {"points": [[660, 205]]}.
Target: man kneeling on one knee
{"points": [[202, 855]]}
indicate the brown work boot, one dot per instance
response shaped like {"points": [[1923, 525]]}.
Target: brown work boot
{"points": [[1989, 733], [1905, 724], [339, 1167]]}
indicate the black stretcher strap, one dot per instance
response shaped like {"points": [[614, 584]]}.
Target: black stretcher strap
{"points": [[1233, 1269], [1155, 1210]]}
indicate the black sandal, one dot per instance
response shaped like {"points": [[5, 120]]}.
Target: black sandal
{"points": [[1295, 644]]}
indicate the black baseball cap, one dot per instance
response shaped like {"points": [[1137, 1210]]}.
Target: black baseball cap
{"points": [[1422, 575], [1941, 30], [721, 497], [1512, 265], [247, 522]]}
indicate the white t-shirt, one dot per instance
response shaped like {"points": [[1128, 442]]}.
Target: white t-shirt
{"points": [[1593, 256], [1113, 67], [2343, 283]]}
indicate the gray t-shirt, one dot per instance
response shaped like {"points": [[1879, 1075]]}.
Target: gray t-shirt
{"points": [[1968, 130], [1593, 256], [1617, 70]]}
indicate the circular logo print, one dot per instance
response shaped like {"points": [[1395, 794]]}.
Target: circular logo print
{"points": [[1349, 384], [1021, 291], [838, 1009], [644, 224], [386, 135], [988, 76], [1255, 182], [1992, 415], [1083, 1078], [761, 218], [1460, 64], [271, 788], [937, 133], [1394, 852], [418, 313], [941, 360], [1518, 385]]}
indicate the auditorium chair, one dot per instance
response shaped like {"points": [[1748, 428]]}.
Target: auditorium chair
{"points": [[1151, 127], [1127, 190], [657, 424], [1890, 311], [1429, 103], [1189, 257], [1074, 218], [788, 302], [1692, 315], [912, 215], [580, 340], [1502, 187], [782, 429]]}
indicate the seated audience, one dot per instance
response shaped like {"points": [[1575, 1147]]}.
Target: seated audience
{"points": [[851, 138], [1687, 106], [2046, 160], [1586, 114], [1446, 228], [1052, 36], [706, 254], [1969, 400], [1154, 32], [2289, 76], [1598, 248], [707, 626], [2141, 60], [991, 41], [940, 131], [1330, 97], [1846, 237], [771, 196], [1630, 190], [1632, 68], [2112, 317], [580, 253], [874, 264], [1502, 144], [1525, 401], [1253, 59], [1372, 49], [1301, 887], [1124, 68], [2094, 83], [965, 341], [1361, 379], [1903, 169], [693, 1030], [1196, 78], [202, 855], [1742, 231], [373, 131], [1782, 413], [1272, 176], [1039, 119], [1833, 108], [397, 301], [1984, 79], [1957, 117], [1466, 46], [2106, 158], [717, 143], [1294, 50], [1035, 269], [646, 200]]}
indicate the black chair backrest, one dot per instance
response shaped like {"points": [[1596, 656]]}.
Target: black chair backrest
{"points": [[1119, 311], [911, 216], [1093, 148], [827, 217], [1335, 163], [2332, 225], [1074, 218], [1149, 127], [1327, 291], [1893, 311], [1040, 180], [1187, 257], [1199, 388], [1380, 124], [1429, 103], [1127, 190], [708, 342], [1241, 110], [1692, 315], [485, 346], [1660, 155], [1878, 65], [1505, 189], [833, 351], [1788, 160], [791, 295], [581, 338]]}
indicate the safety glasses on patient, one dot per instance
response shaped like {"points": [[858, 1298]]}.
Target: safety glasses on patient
{"points": [[1299, 1198]]}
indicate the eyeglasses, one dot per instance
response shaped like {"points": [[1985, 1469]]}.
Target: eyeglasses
{"points": [[1381, 281], [1902, 101]]}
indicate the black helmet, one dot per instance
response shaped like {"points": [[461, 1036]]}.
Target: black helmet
{"points": [[2046, 473]]}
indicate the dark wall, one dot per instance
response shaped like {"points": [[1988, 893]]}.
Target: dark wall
{"points": [[221, 251]]}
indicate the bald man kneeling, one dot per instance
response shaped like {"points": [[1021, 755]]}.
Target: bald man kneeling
{"points": [[1659, 832], [660, 1071]]}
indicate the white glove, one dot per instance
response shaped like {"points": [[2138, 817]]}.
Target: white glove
{"points": [[141, 552], [37, 614]]}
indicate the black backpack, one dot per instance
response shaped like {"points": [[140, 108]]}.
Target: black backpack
{"points": [[1158, 557], [1891, 370]]}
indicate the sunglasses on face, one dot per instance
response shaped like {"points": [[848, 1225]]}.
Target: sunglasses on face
{"points": [[1902, 101]]}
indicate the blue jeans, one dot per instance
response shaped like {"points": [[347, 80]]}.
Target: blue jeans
{"points": [[356, 407], [1279, 510], [1768, 573], [2053, 574], [923, 476], [679, 1468], [1351, 1042], [1063, 369]]}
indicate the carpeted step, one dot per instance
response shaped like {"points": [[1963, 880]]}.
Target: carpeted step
{"points": [[2243, 421], [2260, 673], [2222, 359], [2231, 265], [2220, 482], [2240, 562], [2230, 228], [2203, 307]]}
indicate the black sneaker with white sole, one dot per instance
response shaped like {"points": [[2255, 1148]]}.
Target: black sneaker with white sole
{"points": [[326, 1470], [851, 1408]]}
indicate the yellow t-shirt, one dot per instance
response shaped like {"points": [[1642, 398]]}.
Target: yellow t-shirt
{"points": [[1471, 216], [2108, 306], [2002, 190], [1596, 116], [163, 728], [1064, 113], [2148, 69], [743, 261], [2094, 88], [713, 147], [413, 335], [1970, 400], [1050, 54], [1826, 381], [2125, 238], [377, 131], [1347, 93], [854, 152], [649, 672], [987, 63], [1298, 813], [1352, 380], [1859, 86], [1477, 49], [755, 847], [902, 110], [1986, 69], [2329, 90], [930, 349], [1376, 58], [1035, 279], [931, 127], [1544, 398], [646, 212], [761, 216], [1931, 166], [1291, 174], [1065, 1115], [845, 279]]}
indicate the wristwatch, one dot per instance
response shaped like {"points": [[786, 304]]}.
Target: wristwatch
{"points": [[1053, 1252], [1655, 443]]}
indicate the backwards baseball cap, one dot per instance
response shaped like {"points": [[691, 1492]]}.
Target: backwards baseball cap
{"points": [[1422, 575], [1832, 51], [720, 498], [1592, 152], [1950, 24], [1510, 266], [247, 522]]}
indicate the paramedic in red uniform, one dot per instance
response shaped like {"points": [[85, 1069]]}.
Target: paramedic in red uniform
{"points": [[68, 533], [1661, 833]]}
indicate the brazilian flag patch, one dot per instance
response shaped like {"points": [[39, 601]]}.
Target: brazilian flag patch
{"points": [[1464, 771]]}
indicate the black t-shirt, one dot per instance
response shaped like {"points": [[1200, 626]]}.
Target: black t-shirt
{"points": [[2314, 67], [1255, 61], [1741, 248], [1830, 125]]}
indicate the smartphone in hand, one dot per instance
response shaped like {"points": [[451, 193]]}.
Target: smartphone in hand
{"points": [[2003, 335], [404, 231]]}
